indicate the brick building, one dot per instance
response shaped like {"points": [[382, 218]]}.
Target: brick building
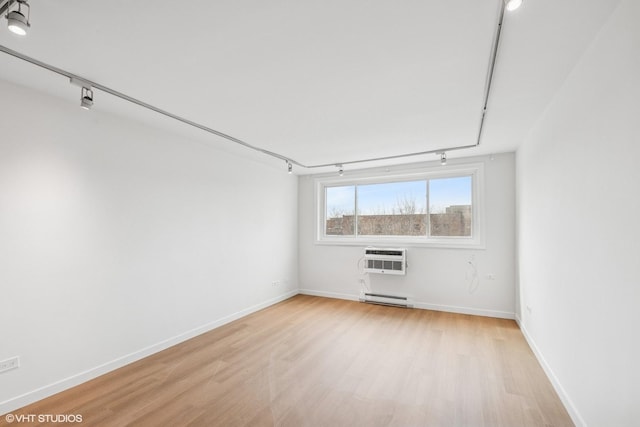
{"points": [[455, 221]]}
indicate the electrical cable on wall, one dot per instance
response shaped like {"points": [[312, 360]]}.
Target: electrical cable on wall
{"points": [[472, 276], [364, 286]]}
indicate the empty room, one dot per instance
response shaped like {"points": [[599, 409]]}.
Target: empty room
{"points": [[293, 213]]}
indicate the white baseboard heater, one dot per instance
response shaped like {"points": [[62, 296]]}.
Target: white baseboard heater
{"points": [[385, 260], [381, 299]]}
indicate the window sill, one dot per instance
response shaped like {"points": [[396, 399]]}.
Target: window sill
{"points": [[450, 243]]}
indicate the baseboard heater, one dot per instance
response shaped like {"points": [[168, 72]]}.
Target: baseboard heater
{"points": [[390, 300]]}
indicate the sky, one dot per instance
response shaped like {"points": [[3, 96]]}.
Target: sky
{"points": [[382, 198]]}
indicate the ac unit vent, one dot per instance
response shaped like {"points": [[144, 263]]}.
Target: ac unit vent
{"points": [[385, 261]]}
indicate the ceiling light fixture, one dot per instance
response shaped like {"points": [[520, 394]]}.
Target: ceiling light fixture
{"points": [[340, 169], [443, 158], [16, 21], [513, 4], [86, 98], [289, 167]]}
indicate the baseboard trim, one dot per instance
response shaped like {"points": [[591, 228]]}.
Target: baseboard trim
{"points": [[82, 377], [466, 310], [564, 397], [421, 305], [328, 294]]}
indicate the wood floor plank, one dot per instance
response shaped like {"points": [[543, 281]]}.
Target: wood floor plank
{"points": [[311, 361]]}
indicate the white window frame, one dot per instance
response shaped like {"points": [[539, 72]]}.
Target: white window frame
{"points": [[475, 241]]}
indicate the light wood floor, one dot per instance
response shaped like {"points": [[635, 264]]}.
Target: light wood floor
{"points": [[311, 361]]}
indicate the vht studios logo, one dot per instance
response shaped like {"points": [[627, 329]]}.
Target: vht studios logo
{"points": [[43, 418]]}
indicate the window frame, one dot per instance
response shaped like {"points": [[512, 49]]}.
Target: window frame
{"points": [[475, 241]]}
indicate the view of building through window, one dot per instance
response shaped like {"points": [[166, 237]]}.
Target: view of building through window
{"points": [[439, 207]]}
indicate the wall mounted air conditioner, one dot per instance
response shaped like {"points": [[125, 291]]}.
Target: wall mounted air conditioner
{"points": [[385, 260]]}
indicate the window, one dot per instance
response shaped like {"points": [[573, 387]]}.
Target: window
{"points": [[430, 207], [450, 206]]}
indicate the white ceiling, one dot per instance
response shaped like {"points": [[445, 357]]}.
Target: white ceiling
{"points": [[319, 82]]}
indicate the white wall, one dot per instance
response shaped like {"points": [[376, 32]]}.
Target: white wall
{"points": [[579, 230], [436, 278], [117, 240]]}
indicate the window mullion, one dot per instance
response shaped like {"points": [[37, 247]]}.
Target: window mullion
{"points": [[355, 212], [428, 208], [325, 214]]}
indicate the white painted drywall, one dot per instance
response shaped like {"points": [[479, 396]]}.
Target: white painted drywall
{"points": [[117, 240], [436, 278], [579, 230]]}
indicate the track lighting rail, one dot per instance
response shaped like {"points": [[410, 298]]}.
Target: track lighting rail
{"points": [[4, 5], [492, 65], [440, 151]]}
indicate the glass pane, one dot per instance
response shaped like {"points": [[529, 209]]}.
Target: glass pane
{"points": [[392, 209], [340, 205], [450, 207]]}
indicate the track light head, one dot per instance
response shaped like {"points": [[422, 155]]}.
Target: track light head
{"points": [[443, 158], [289, 168], [513, 4], [86, 98], [340, 170], [16, 21]]}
